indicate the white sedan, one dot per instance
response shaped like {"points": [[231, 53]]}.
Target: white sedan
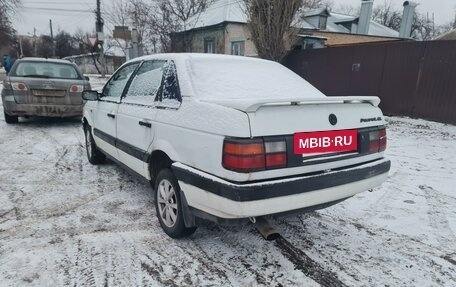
{"points": [[228, 138]]}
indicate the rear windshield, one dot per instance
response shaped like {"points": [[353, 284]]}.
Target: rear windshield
{"points": [[45, 70], [244, 78]]}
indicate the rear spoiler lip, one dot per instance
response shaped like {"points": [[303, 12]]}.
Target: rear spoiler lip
{"points": [[252, 105]]}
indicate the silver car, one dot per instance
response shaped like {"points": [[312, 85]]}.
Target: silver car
{"points": [[43, 87]]}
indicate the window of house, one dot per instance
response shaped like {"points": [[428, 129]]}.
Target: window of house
{"points": [[322, 22], [209, 45], [237, 48], [308, 45]]}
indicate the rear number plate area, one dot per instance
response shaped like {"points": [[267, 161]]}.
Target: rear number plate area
{"points": [[325, 142], [49, 93]]}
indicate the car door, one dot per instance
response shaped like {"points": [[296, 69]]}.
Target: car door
{"points": [[136, 115], [104, 129]]}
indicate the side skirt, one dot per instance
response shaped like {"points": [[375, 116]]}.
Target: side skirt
{"points": [[125, 167]]}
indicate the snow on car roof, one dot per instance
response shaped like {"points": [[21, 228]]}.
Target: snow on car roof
{"points": [[36, 59], [234, 77]]}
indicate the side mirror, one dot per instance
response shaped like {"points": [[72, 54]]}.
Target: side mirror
{"points": [[90, 95], [87, 78]]}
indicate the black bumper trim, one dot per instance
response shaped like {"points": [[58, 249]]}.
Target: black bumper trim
{"points": [[271, 190]]}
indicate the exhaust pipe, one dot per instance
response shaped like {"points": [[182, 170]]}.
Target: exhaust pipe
{"points": [[266, 230]]}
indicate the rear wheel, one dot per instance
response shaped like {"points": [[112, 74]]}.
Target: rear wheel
{"points": [[168, 205], [94, 155], [11, 119]]}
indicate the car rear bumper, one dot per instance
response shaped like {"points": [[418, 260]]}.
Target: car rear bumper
{"points": [[14, 109], [227, 200]]}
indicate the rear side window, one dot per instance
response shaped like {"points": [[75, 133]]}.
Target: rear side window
{"points": [[169, 94], [146, 83], [45, 70]]}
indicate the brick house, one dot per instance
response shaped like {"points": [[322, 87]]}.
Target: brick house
{"points": [[222, 28]]}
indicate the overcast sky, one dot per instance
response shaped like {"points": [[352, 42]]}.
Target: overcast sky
{"points": [[69, 15]]}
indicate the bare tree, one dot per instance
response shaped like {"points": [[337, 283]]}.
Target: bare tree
{"points": [[82, 38], [314, 4], [7, 9], [387, 15], [423, 28], [270, 25], [154, 20], [131, 14], [347, 10], [173, 16], [139, 14]]}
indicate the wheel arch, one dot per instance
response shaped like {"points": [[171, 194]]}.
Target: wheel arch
{"points": [[85, 122], [162, 155], [158, 160]]}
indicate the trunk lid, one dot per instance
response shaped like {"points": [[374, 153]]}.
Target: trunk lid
{"points": [[282, 120], [47, 91], [270, 117]]}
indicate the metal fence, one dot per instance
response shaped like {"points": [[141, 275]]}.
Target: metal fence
{"points": [[416, 79]]}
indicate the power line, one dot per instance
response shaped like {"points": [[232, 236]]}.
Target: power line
{"points": [[54, 3], [56, 9]]}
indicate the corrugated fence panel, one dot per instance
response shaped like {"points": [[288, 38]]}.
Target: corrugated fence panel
{"points": [[416, 79], [400, 74], [436, 96], [367, 70], [312, 65], [339, 67]]}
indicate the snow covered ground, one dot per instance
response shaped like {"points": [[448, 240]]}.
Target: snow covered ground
{"points": [[64, 222]]}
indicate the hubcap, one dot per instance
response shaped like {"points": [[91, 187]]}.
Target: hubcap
{"points": [[167, 203]]}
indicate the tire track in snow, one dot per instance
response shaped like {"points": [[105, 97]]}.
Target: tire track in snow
{"points": [[390, 255], [438, 218], [239, 252], [307, 265]]}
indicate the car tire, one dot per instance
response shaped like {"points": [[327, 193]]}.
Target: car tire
{"points": [[168, 205], [94, 155], [11, 119]]}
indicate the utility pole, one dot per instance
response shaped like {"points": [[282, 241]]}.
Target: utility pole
{"points": [[34, 42], [134, 40], [20, 46], [100, 38], [52, 39]]}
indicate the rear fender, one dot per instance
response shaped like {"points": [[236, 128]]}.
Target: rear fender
{"points": [[165, 147]]}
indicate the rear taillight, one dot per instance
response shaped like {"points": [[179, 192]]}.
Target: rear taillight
{"points": [[247, 155], [19, 87], [76, 88], [276, 154], [377, 140]]}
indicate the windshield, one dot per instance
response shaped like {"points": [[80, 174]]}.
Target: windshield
{"points": [[244, 78], [45, 70]]}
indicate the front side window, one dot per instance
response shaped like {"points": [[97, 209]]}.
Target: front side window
{"points": [[237, 48], [145, 84], [114, 88]]}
